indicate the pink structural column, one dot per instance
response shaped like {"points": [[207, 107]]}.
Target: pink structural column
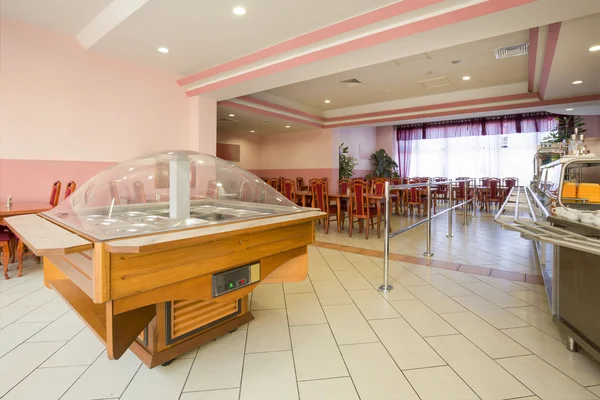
{"points": [[203, 124]]}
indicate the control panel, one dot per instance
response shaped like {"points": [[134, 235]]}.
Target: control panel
{"points": [[233, 279]]}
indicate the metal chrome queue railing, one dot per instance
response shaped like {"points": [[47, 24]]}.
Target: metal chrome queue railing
{"points": [[386, 287]]}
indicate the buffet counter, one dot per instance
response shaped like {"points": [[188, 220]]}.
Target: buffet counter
{"points": [[560, 214], [162, 277]]}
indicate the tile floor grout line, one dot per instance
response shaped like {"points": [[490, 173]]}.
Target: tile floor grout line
{"points": [[287, 316], [189, 372], [131, 380], [336, 341], [246, 346], [35, 369], [83, 373]]}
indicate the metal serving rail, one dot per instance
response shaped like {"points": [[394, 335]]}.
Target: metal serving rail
{"points": [[386, 287]]}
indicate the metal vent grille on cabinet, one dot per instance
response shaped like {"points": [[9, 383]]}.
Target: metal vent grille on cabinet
{"points": [[512, 51], [189, 315], [351, 82]]}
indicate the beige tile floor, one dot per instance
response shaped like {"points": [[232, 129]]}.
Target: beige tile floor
{"points": [[438, 335]]}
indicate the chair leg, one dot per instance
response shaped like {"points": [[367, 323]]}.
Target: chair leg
{"points": [[13, 249], [20, 257], [327, 224], [367, 232], [5, 258], [350, 223]]}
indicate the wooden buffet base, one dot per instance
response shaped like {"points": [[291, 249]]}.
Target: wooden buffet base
{"points": [[154, 294]]}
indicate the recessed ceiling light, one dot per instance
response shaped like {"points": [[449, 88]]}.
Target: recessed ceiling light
{"points": [[466, 78], [163, 50], [595, 48], [232, 115], [387, 90], [327, 101], [239, 11], [577, 82], [252, 131], [287, 126], [569, 109]]}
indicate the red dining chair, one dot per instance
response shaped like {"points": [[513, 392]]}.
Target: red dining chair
{"points": [[248, 192], [509, 183], [280, 183], [398, 201], [362, 209], [343, 189], [321, 201], [300, 183], [493, 195], [55, 193], [274, 183], [71, 186], [213, 190], [140, 193], [461, 195], [288, 188], [415, 198], [114, 192]]}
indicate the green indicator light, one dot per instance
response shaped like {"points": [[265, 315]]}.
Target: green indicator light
{"points": [[230, 285]]}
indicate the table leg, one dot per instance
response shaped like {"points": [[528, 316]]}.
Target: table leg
{"points": [[338, 207]]}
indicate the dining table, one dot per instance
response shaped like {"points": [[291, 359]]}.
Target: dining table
{"points": [[22, 208], [303, 195]]}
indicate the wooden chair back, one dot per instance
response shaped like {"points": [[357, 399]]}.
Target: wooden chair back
{"points": [[510, 183], [288, 188], [320, 195], [114, 193], [139, 192], [360, 197], [55, 193], [299, 183], [71, 186], [493, 184], [274, 183], [247, 192], [378, 186], [213, 190], [343, 186]]}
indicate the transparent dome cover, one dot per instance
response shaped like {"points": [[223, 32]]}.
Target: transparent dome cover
{"points": [[167, 191]]}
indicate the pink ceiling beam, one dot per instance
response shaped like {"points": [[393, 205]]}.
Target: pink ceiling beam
{"points": [[270, 113], [390, 11], [453, 17], [533, 45], [254, 100], [464, 103], [580, 99], [553, 33]]}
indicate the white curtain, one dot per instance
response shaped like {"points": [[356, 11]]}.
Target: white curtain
{"points": [[497, 156]]}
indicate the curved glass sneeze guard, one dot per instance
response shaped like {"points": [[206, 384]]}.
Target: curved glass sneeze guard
{"points": [[580, 180], [135, 197]]}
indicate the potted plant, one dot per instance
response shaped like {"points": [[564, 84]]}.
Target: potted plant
{"points": [[384, 165], [347, 163], [565, 127]]}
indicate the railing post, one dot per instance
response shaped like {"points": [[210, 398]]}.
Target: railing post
{"points": [[386, 287], [449, 233], [466, 194], [475, 193], [428, 252]]}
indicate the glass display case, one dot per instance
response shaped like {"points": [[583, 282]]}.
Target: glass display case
{"points": [[572, 182], [167, 191]]}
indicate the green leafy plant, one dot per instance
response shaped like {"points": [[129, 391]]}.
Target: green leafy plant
{"points": [[565, 127], [384, 165], [347, 163]]}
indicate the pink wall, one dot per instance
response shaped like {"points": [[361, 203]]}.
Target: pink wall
{"points": [[309, 154], [385, 139], [592, 124], [361, 142], [66, 112]]}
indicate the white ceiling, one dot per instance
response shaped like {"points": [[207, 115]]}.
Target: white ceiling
{"points": [[65, 16], [244, 121], [573, 60], [402, 81]]}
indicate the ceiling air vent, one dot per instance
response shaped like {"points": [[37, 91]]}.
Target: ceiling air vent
{"points": [[351, 82], [227, 121], [435, 82], [511, 51]]}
